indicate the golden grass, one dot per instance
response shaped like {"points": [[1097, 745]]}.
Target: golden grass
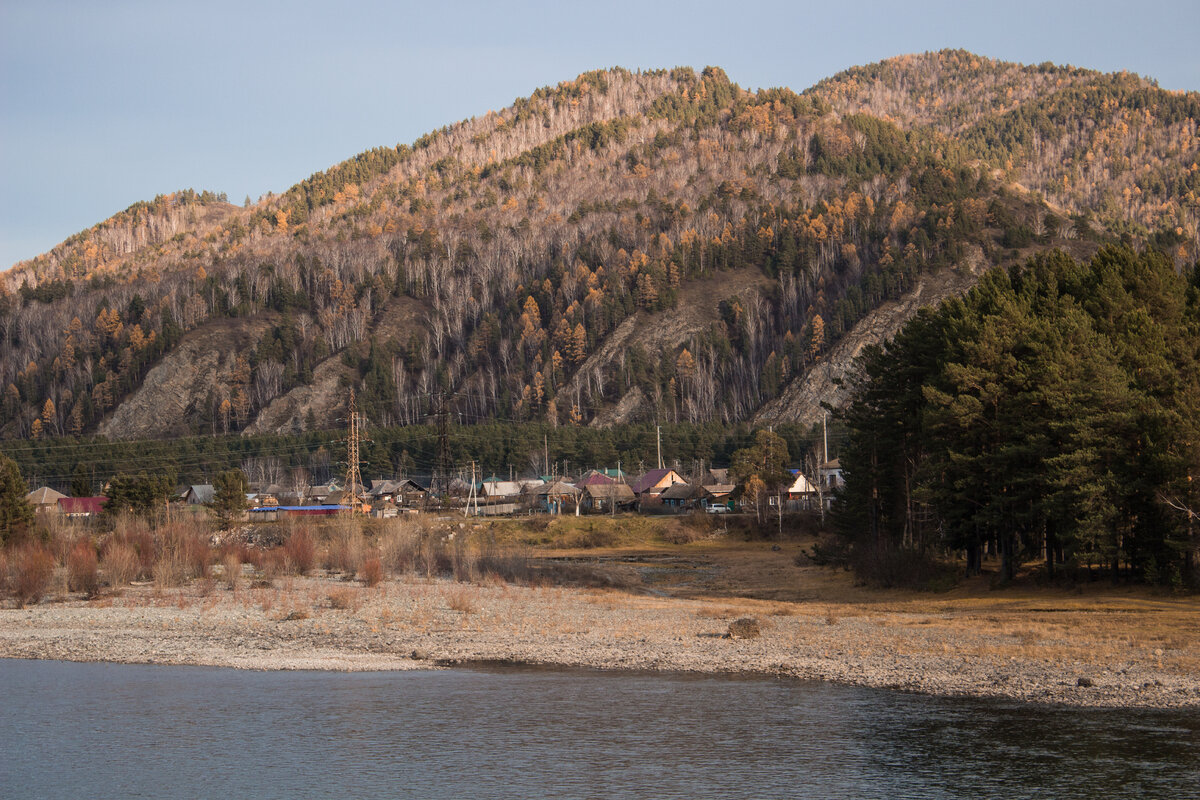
{"points": [[462, 598]]}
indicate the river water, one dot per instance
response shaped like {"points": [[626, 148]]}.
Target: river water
{"points": [[107, 730]]}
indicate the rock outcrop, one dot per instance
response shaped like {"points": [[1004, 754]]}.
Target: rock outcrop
{"points": [[181, 382], [801, 400]]}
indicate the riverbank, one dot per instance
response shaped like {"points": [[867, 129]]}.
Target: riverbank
{"points": [[1115, 650]]}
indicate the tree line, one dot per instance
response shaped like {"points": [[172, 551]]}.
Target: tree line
{"points": [[1053, 413]]}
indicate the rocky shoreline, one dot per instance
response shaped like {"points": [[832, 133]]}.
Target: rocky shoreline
{"points": [[328, 624]]}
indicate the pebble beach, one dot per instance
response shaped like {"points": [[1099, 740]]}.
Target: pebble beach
{"points": [[420, 623]]}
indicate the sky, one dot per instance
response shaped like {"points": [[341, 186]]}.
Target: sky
{"points": [[103, 104]]}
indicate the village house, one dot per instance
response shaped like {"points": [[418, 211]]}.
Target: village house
{"points": [[680, 497], [319, 495], [717, 495], [494, 489], [650, 487], [802, 494], [656, 481], [555, 498], [606, 498], [199, 494], [830, 475], [594, 478], [44, 500], [81, 507]]}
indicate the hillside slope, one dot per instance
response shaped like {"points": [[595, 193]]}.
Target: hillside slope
{"points": [[660, 245]]}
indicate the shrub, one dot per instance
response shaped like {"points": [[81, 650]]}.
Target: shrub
{"points": [[120, 562], [434, 557], [597, 537], [461, 599], [232, 565], [300, 552], [744, 628], [83, 570], [512, 566], [347, 547], [273, 563], [899, 567], [399, 546], [144, 547], [168, 571], [682, 534], [31, 569], [372, 571], [464, 562], [195, 553], [343, 599]]}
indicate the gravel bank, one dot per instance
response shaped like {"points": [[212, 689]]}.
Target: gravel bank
{"points": [[316, 623]]}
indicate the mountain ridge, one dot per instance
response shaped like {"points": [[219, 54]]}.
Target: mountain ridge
{"points": [[497, 258]]}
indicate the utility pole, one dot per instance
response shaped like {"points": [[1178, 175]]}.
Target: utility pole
{"points": [[442, 479], [353, 478], [658, 440], [546, 454], [825, 433], [473, 498]]}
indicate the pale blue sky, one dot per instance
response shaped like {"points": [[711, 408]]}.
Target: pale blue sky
{"points": [[106, 103]]}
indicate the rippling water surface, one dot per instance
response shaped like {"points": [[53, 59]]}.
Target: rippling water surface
{"points": [[102, 730]]}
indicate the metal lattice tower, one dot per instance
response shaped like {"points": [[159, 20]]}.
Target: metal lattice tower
{"points": [[353, 478]]}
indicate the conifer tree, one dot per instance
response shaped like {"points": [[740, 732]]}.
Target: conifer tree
{"points": [[16, 515]]}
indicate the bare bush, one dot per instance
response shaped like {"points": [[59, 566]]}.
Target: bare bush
{"points": [[464, 562], [372, 571], [120, 562], [344, 599], [347, 547], [300, 552], [168, 571], [461, 598], [273, 563], [232, 566], [135, 532], [31, 569], [195, 553], [83, 569], [506, 564], [399, 546]]}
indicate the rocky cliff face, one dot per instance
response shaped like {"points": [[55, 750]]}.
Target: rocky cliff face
{"points": [[802, 398], [181, 383], [323, 400], [698, 309]]}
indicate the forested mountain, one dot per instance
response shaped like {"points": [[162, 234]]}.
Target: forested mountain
{"points": [[661, 246]]}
